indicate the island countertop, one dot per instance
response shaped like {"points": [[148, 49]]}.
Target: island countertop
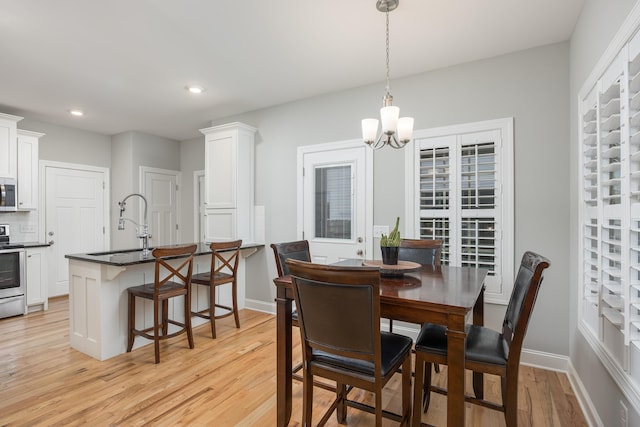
{"points": [[126, 257]]}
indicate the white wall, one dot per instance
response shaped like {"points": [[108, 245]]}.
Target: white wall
{"points": [[598, 23], [532, 86], [130, 150]]}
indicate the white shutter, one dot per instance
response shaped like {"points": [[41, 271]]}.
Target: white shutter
{"points": [[461, 200]]}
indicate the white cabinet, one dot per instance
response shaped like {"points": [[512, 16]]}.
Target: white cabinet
{"points": [[28, 169], [8, 146], [36, 271], [229, 181]]}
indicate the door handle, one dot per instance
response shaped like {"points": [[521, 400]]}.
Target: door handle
{"points": [[51, 242], [359, 252]]}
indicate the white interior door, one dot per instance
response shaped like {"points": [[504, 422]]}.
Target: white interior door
{"points": [[336, 201], [74, 218], [160, 188]]}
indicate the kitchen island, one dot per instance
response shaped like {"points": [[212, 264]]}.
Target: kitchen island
{"points": [[98, 285]]}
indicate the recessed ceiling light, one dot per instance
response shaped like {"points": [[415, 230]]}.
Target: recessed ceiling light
{"points": [[195, 89], [76, 112]]}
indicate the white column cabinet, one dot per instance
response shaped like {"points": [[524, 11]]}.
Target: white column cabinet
{"points": [[8, 146], [28, 169], [229, 181], [36, 271]]}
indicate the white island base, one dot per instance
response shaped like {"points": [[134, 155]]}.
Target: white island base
{"points": [[98, 302]]}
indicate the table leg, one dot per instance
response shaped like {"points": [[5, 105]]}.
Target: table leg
{"points": [[456, 338], [283, 364], [478, 319]]}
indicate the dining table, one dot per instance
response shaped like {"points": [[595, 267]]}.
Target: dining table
{"points": [[442, 295]]}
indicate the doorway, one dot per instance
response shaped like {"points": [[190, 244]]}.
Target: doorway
{"points": [[160, 188], [75, 216], [335, 200]]}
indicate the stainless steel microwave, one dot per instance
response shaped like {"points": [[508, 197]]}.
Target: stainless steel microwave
{"points": [[8, 195]]}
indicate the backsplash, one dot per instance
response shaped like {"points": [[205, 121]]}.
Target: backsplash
{"points": [[24, 225]]}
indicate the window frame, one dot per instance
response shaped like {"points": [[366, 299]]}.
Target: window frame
{"points": [[505, 190]]}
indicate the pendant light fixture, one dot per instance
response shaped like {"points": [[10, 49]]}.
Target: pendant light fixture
{"points": [[396, 131]]}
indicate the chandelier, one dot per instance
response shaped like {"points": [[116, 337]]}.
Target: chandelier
{"points": [[396, 131]]}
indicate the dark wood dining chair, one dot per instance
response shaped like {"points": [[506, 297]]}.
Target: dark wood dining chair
{"points": [[422, 251], [225, 257], [487, 351], [339, 318], [170, 282], [299, 250]]}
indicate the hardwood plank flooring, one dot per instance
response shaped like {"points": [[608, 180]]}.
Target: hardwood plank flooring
{"points": [[229, 381]]}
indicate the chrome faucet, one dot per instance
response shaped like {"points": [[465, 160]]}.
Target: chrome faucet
{"points": [[142, 231]]}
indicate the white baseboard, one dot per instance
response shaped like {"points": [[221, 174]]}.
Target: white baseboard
{"points": [[589, 411], [257, 305]]}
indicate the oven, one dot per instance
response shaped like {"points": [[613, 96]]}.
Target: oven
{"points": [[12, 276]]}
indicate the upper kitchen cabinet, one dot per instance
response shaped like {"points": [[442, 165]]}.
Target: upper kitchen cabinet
{"points": [[8, 146], [28, 169], [229, 181]]}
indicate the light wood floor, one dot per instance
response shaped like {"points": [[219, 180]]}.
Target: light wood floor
{"points": [[224, 382]]}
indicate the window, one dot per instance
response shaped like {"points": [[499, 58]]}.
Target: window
{"points": [[609, 184], [460, 181], [333, 202]]}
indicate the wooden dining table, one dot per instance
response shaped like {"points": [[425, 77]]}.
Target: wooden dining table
{"points": [[442, 295]]}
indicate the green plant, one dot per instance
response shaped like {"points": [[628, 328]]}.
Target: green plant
{"points": [[393, 239]]}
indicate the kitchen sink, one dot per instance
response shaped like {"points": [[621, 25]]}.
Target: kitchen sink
{"points": [[120, 252]]}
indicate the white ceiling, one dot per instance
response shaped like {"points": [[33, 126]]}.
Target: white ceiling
{"points": [[126, 62]]}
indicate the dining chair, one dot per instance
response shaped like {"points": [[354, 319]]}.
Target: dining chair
{"points": [[225, 257], [487, 351], [339, 318], [421, 251], [170, 282], [299, 250]]}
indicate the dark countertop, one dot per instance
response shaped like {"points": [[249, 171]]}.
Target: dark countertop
{"points": [[126, 257], [26, 245]]}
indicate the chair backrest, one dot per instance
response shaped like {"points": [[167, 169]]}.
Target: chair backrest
{"points": [[522, 300], [225, 257], [424, 252], [338, 309], [165, 272], [290, 250]]}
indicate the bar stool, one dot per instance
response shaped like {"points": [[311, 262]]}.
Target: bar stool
{"points": [[224, 269], [169, 282]]}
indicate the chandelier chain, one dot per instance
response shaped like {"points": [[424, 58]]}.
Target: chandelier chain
{"points": [[388, 88]]}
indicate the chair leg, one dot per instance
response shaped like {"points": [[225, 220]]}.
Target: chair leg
{"points": [[212, 310], [378, 408], [307, 398], [406, 391], [156, 331], [341, 396], [187, 319], [132, 321], [418, 391], [510, 399], [234, 292], [426, 388], [165, 317]]}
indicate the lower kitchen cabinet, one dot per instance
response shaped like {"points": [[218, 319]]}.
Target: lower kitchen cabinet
{"points": [[36, 272]]}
